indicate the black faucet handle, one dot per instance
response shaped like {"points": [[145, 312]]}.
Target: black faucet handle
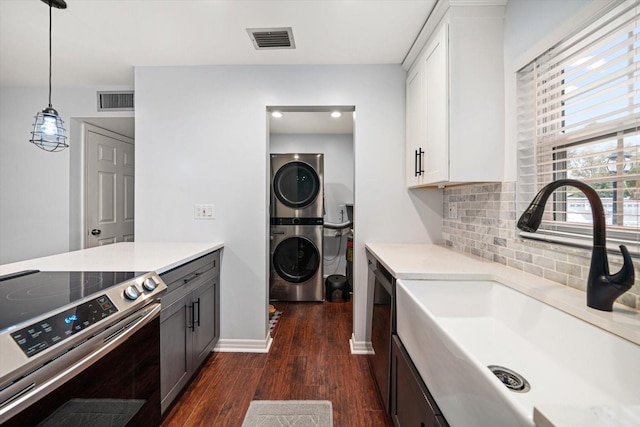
{"points": [[626, 276]]}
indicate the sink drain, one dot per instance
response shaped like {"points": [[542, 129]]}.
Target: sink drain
{"points": [[512, 380]]}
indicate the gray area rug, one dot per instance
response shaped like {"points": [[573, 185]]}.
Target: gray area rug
{"points": [[289, 413], [94, 413]]}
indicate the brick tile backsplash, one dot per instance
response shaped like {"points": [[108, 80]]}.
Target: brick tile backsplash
{"points": [[486, 227]]}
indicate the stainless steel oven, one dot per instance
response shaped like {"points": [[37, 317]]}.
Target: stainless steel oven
{"points": [[80, 348]]}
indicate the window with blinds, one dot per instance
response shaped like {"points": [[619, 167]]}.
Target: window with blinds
{"points": [[579, 117]]}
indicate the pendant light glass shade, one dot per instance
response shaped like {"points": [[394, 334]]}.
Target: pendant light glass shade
{"points": [[48, 129]]}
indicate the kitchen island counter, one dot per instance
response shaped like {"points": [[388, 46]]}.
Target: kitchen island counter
{"points": [[125, 256]]}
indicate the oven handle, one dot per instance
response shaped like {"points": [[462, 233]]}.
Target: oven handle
{"points": [[23, 400]]}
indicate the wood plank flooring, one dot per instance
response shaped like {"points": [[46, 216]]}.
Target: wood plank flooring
{"points": [[309, 359]]}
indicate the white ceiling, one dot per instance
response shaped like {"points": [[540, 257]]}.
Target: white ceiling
{"points": [[98, 42]]}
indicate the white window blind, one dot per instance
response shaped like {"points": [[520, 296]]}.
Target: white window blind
{"points": [[579, 117]]}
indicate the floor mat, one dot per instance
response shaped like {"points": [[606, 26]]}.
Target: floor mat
{"points": [[273, 320], [298, 413]]}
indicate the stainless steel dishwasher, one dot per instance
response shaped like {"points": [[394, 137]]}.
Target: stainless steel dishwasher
{"points": [[382, 325]]}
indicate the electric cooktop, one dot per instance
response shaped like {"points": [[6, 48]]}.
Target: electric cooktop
{"points": [[26, 295]]}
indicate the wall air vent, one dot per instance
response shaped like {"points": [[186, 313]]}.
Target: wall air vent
{"points": [[272, 38], [115, 101]]}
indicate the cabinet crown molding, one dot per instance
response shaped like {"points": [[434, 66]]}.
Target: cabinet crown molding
{"points": [[477, 2], [435, 17]]}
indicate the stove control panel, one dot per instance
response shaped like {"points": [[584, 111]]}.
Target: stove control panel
{"points": [[39, 336]]}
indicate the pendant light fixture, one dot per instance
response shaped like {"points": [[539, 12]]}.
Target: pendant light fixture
{"points": [[48, 129]]}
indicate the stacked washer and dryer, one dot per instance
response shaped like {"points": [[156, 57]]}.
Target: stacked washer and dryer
{"points": [[297, 209]]}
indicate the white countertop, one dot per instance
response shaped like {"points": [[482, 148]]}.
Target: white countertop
{"points": [[591, 416], [427, 261], [125, 256]]}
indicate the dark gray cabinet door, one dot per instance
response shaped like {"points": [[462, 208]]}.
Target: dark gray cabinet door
{"points": [[189, 322], [204, 332], [411, 402], [175, 347]]}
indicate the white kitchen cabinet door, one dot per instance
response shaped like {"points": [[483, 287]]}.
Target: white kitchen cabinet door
{"points": [[436, 111], [455, 100], [415, 138]]}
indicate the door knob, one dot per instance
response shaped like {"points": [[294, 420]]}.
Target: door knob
{"points": [[95, 232]]}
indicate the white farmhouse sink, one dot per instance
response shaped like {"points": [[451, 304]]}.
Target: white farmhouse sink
{"points": [[454, 329]]}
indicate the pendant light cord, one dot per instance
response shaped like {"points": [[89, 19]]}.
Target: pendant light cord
{"points": [[50, 6]]}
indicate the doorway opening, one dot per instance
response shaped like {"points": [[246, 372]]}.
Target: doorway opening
{"points": [[296, 132]]}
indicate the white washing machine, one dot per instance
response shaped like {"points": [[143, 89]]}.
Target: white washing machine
{"points": [[296, 260], [297, 186]]}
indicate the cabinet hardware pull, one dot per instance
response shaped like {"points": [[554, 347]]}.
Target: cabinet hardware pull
{"points": [[190, 278], [192, 326], [415, 163], [421, 167], [198, 302]]}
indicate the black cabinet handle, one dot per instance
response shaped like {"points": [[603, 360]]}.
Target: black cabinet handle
{"points": [[415, 163], [420, 156], [198, 302], [192, 325], [95, 232]]}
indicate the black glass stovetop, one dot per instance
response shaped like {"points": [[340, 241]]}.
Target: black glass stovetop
{"points": [[26, 296]]}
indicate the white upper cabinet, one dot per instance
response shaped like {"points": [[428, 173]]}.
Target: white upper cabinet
{"points": [[415, 126], [455, 100]]}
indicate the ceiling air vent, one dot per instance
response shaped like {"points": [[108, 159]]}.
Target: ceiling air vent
{"points": [[272, 38], [115, 101]]}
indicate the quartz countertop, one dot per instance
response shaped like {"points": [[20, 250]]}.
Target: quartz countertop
{"points": [[589, 416], [125, 256], [428, 261]]}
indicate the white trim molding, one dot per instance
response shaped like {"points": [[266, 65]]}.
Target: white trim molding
{"points": [[243, 346], [360, 347]]}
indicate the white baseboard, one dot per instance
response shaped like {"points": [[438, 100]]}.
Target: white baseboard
{"points": [[360, 347], [243, 346]]}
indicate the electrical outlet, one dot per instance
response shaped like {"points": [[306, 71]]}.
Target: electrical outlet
{"points": [[204, 211], [453, 211]]}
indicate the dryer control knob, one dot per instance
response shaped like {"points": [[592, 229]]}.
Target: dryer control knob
{"points": [[149, 284], [131, 293]]}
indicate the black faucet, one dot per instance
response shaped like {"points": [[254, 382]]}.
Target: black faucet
{"points": [[602, 288]]}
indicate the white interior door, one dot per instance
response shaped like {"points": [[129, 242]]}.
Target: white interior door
{"points": [[109, 187]]}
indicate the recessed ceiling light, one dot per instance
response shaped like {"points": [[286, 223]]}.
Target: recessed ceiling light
{"points": [[336, 114], [276, 114]]}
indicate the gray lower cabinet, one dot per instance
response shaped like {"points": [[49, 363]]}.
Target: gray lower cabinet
{"points": [[189, 322], [411, 403]]}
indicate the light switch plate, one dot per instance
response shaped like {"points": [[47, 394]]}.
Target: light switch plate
{"points": [[204, 211]]}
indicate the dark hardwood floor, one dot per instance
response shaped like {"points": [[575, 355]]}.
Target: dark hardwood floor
{"points": [[309, 359]]}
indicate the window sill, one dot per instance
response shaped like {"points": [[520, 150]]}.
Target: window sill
{"points": [[585, 242]]}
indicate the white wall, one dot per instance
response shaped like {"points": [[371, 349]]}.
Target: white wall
{"points": [[201, 137], [338, 185], [35, 184]]}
